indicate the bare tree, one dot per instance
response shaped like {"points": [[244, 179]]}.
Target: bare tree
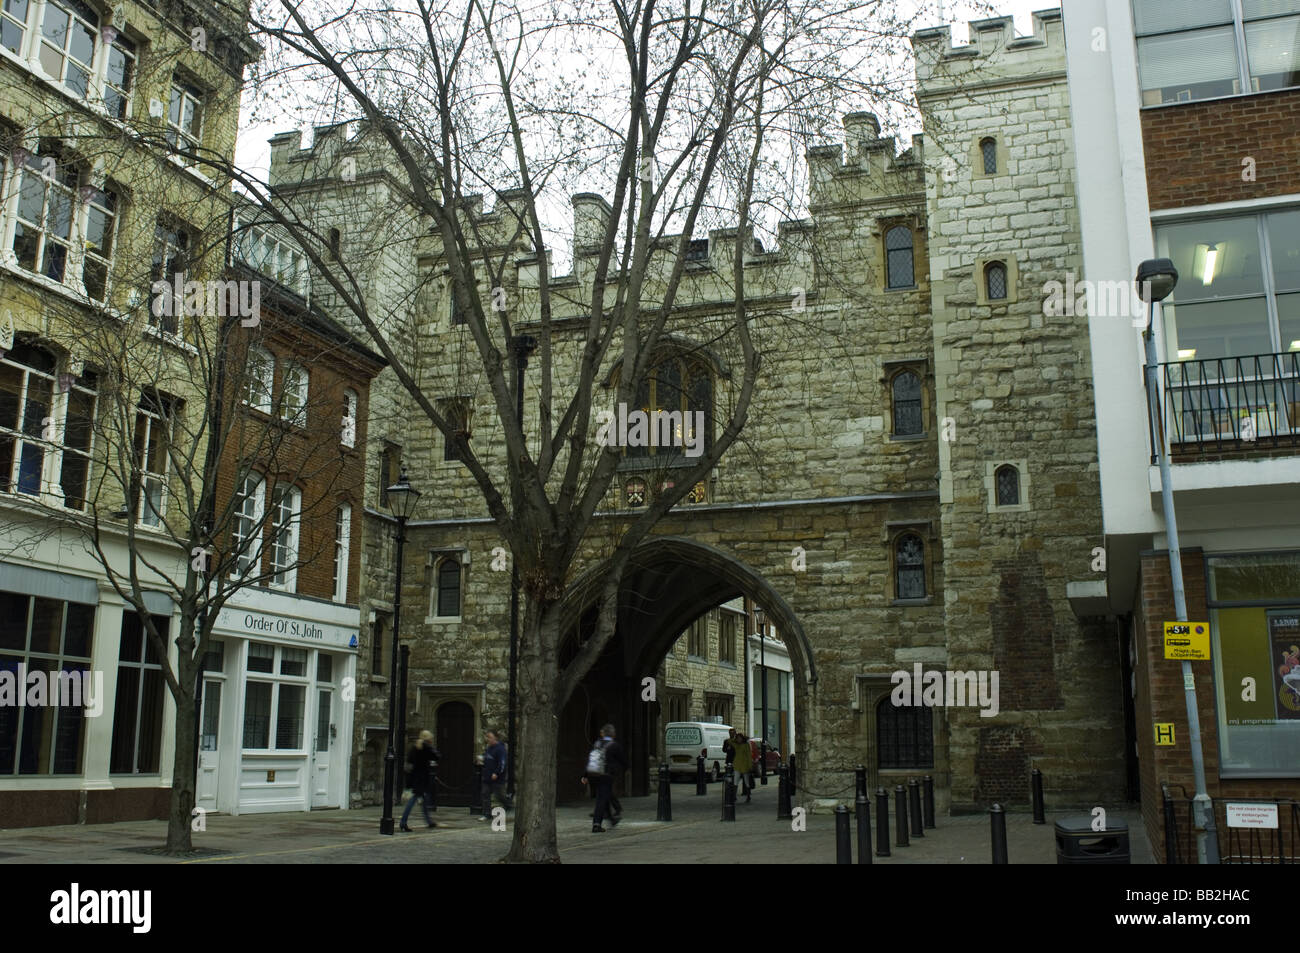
{"points": [[687, 115]]}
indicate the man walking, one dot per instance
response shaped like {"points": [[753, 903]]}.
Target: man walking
{"points": [[496, 758], [605, 762]]}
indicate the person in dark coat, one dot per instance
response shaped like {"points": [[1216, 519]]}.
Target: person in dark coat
{"points": [[423, 757], [615, 765], [496, 767]]}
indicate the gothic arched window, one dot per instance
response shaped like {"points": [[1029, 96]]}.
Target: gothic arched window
{"points": [[909, 567], [995, 281], [1006, 479], [989, 153]]}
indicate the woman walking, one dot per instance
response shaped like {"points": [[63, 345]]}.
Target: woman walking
{"points": [[743, 764], [423, 757]]}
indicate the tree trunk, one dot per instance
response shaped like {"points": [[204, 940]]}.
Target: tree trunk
{"points": [[534, 838], [182, 800]]}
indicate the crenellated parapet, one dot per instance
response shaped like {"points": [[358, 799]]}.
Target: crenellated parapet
{"points": [[994, 54], [866, 169]]}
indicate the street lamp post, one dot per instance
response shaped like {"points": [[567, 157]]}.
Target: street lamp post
{"points": [[401, 500], [762, 665], [1156, 279]]}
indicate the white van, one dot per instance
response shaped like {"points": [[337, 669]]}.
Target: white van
{"points": [[683, 742]]}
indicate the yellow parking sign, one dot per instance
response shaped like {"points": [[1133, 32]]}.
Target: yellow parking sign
{"points": [[1187, 641]]}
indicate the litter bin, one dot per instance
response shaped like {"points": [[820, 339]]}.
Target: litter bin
{"points": [[1078, 843]]}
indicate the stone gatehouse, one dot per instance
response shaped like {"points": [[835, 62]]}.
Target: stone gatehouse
{"points": [[917, 483]]}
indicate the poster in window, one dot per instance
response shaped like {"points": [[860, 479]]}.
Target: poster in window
{"points": [[1284, 640]]}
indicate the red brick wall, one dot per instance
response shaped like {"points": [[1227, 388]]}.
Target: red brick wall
{"points": [[1194, 151], [311, 457], [1160, 698]]}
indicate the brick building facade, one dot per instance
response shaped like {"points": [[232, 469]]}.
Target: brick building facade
{"points": [[1185, 154]]}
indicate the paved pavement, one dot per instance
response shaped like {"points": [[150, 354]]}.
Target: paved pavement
{"points": [[694, 836]]}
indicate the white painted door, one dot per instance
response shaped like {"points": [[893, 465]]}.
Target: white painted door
{"points": [[205, 796], [322, 745]]}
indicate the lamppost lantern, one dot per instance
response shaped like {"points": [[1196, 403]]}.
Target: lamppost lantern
{"points": [[1156, 279], [402, 498]]}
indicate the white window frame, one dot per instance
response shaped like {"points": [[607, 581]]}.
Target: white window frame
{"points": [[177, 132], [295, 383], [351, 403], [152, 512], [106, 37], [285, 525], [259, 377], [250, 511], [130, 50], [170, 244], [342, 550], [277, 680], [42, 42], [271, 255]]}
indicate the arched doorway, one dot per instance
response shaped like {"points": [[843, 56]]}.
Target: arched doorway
{"points": [[454, 737], [670, 582]]}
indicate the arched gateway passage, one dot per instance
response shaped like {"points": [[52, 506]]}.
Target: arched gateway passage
{"points": [[669, 583]]}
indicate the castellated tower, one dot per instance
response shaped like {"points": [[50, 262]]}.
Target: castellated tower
{"points": [[1019, 487]]}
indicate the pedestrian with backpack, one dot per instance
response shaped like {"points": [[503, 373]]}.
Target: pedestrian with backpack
{"points": [[420, 778], [605, 762]]}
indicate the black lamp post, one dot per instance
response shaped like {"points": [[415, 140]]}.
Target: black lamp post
{"points": [[401, 500], [762, 664]]}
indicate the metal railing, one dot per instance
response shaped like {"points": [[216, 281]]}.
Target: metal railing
{"points": [[1231, 403], [1237, 844]]}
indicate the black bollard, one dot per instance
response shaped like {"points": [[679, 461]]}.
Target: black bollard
{"points": [[882, 823], [665, 812], [729, 796], [476, 793], [900, 808], [701, 782], [861, 773], [783, 812], [792, 778], [843, 848], [1039, 816], [864, 828], [998, 824], [914, 799], [1171, 828], [928, 784]]}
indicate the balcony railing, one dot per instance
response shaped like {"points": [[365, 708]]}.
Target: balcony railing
{"points": [[1231, 403]]}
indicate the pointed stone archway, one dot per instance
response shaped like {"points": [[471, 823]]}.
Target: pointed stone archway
{"points": [[670, 582]]}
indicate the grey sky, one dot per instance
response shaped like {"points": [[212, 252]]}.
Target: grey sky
{"points": [[253, 153]]}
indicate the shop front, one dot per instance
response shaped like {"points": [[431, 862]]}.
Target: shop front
{"points": [[1254, 607], [276, 714]]}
